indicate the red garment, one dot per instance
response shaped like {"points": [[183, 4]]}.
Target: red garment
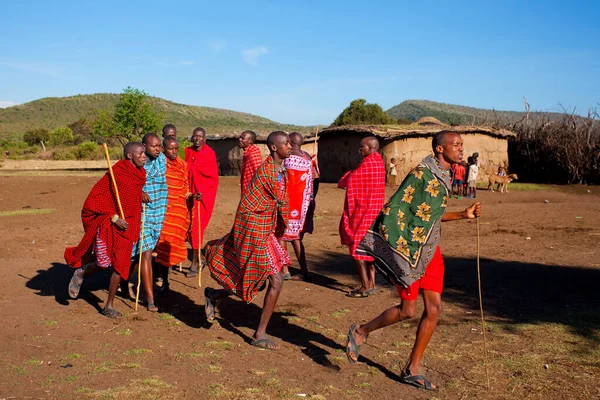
{"points": [[204, 178], [433, 279], [250, 163], [99, 207], [299, 193], [459, 172], [365, 196], [171, 248]]}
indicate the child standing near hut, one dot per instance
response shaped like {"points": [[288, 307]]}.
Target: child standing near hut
{"points": [[392, 173]]}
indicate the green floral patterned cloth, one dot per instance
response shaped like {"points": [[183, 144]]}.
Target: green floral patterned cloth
{"points": [[406, 233]]}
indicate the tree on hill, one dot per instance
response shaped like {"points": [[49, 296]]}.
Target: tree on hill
{"points": [[61, 135], [359, 113], [35, 136], [133, 116]]}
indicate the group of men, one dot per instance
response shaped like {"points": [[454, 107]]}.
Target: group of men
{"points": [[400, 237], [152, 207]]}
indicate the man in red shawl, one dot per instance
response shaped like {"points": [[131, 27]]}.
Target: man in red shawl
{"points": [[171, 248], [109, 239], [300, 194], [365, 196], [250, 254], [251, 160], [204, 179]]}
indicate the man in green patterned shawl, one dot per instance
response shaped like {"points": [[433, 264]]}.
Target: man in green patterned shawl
{"points": [[404, 242]]}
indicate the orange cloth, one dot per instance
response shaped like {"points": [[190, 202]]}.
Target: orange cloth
{"points": [[171, 248]]}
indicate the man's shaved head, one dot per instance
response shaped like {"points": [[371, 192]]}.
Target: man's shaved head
{"points": [[169, 130], [273, 136], [296, 139], [130, 148], [149, 135], [441, 139], [372, 142], [169, 140], [251, 134]]}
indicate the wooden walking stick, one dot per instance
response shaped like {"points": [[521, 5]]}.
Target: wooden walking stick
{"points": [[315, 142], [199, 247], [487, 372], [137, 293], [114, 182]]}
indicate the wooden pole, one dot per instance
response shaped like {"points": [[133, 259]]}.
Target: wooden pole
{"points": [[137, 293], [199, 247], [114, 182], [315, 142], [485, 352]]}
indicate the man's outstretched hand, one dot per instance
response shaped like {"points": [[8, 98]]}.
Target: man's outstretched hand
{"points": [[121, 224], [474, 211]]}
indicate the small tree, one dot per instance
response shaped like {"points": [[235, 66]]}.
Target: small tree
{"points": [[133, 116], [34, 136], [359, 112], [61, 135]]}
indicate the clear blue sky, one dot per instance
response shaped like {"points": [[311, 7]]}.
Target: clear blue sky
{"points": [[302, 62]]}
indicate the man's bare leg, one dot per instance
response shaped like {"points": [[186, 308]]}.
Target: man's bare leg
{"points": [[366, 273], [301, 256], [194, 267], [147, 279], [429, 320], [285, 271], [109, 310], [371, 271], [406, 310], [273, 291]]}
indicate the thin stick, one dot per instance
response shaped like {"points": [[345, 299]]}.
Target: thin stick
{"points": [[315, 142], [114, 182], [179, 267], [487, 372], [199, 247], [137, 293]]}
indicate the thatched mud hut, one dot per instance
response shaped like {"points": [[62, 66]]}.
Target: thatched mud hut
{"points": [[408, 144]]}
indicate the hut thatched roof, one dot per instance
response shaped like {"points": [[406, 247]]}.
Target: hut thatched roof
{"points": [[414, 130], [429, 121], [259, 138]]}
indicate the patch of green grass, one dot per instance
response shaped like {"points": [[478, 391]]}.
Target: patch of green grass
{"points": [[364, 385], [104, 367], [219, 345], [49, 380], [28, 211], [216, 389], [51, 323], [124, 332], [131, 365], [313, 318], [273, 382], [32, 361], [133, 352], [70, 378], [340, 313], [74, 356], [147, 389], [165, 317], [252, 390], [20, 370], [214, 369]]}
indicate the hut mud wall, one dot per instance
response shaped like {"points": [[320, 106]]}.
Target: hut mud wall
{"points": [[339, 153]]}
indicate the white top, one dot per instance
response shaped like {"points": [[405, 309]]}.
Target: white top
{"points": [[473, 171], [392, 168]]}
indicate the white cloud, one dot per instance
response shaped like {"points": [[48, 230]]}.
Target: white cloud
{"points": [[218, 45], [252, 55], [7, 103], [45, 70]]}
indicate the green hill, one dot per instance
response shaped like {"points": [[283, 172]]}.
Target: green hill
{"points": [[52, 112], [459, 115]]}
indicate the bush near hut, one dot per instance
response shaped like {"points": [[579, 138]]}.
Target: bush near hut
{"points": [[566, 150]]}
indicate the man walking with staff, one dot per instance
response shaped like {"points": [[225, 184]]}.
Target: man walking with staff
{"points": [[109, 237], [250, 254], [404, 240]]}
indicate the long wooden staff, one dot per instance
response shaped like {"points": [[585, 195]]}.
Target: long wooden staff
{"points": [[199, 247], [114, 182], [315, 142], [487, 372], [137, 293]]}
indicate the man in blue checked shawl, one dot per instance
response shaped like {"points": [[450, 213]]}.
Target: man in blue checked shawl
{"points": [[155, 194]]}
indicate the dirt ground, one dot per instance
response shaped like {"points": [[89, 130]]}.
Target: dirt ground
{"points": [[540, 272]]}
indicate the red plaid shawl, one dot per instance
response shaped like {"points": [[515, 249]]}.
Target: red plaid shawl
{"points": [[171, 247], [204, 178], [100, 206], [240, 260], [250, 163], [365, 196]]}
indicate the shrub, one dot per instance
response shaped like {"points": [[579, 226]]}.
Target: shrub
{"points": [[85, 150], [64, 154], [61, 135], [35, 136]]}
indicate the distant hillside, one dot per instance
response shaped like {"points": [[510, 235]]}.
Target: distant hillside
{"points": [[458, 115], [52, 112]]}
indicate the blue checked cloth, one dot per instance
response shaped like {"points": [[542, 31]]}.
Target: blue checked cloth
{"points": [[156, 187]]}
